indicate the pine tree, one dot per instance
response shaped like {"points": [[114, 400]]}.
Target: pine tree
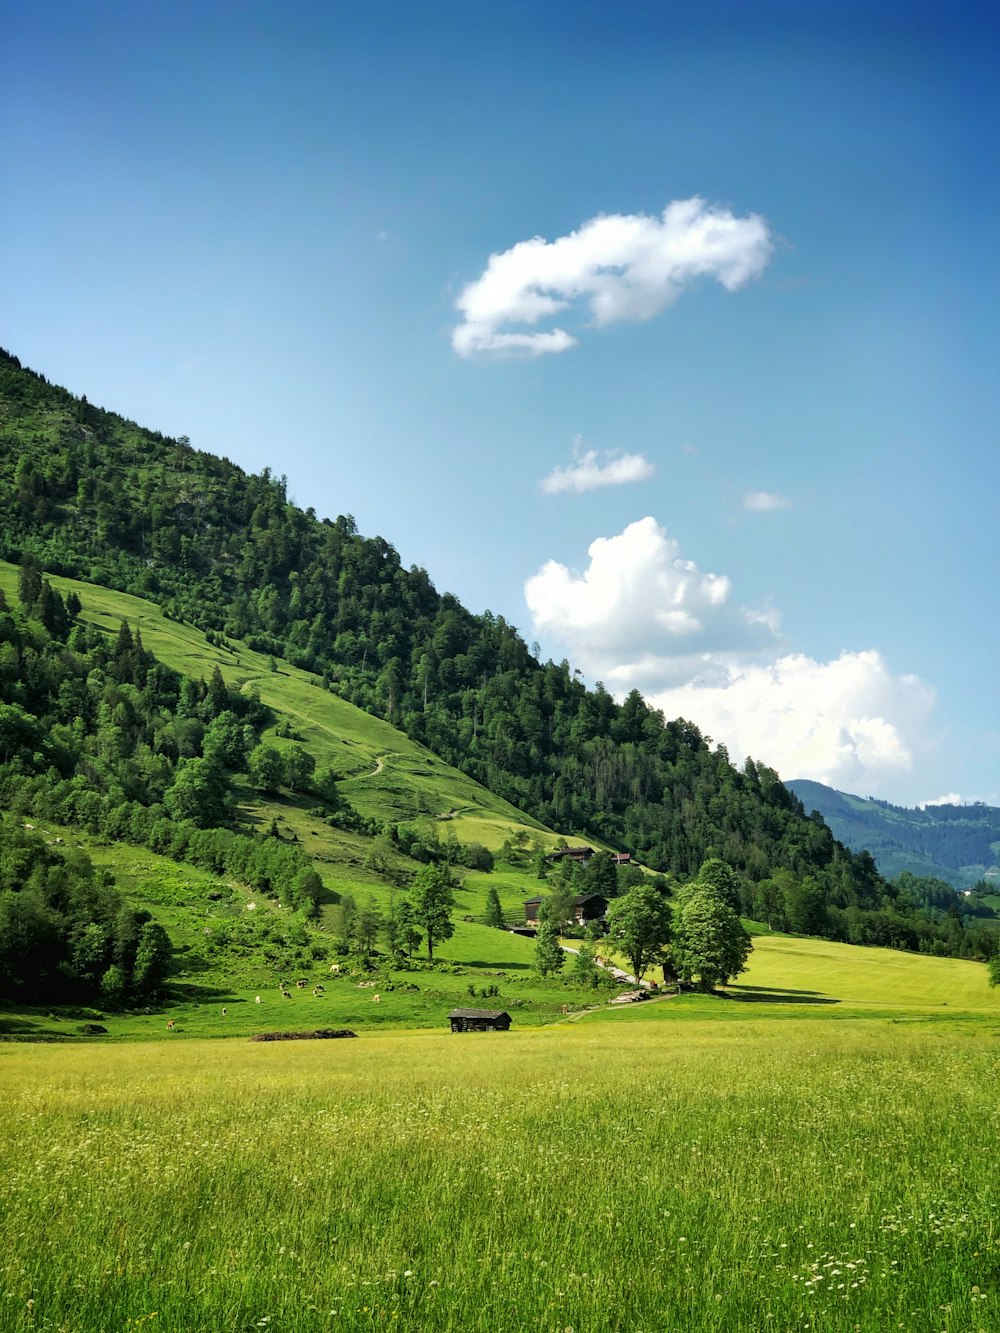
{"points": [[494, 912], [549, 956]]}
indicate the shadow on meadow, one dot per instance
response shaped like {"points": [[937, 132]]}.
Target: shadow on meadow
{"points": [[774, 995], [22, 1027], [498, 967], [189, 992]]}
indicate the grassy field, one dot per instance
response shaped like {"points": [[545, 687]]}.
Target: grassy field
{"points": [[621, 1175]]}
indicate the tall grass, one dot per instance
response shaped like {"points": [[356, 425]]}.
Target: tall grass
{"points": [[638, 1176]]}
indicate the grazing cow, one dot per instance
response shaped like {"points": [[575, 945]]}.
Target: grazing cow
{"points": [[256, 999], [225, 1012], [376, 999], [300, 985], [334, 967], [286, 995], [170, 1025]]}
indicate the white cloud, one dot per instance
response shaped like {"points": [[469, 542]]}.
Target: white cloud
{"points": [[641, 616], [588, 472], [640, 613], [764, 502], [849, 723], [621, 266]]}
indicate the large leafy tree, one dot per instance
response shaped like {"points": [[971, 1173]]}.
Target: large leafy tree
{"points": [[710, 942], [199, 794], [639, 925], [433, 902]]}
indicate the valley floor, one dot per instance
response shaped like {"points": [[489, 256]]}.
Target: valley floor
{"points": [[686, 1165]]}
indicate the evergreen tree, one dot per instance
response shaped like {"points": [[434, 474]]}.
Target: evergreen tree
{"points": [[494, 911], [549, 955], [29, 582]]}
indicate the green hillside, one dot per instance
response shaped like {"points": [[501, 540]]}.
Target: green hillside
{"points": [[386, 775], [96, 497], [193, 666]]}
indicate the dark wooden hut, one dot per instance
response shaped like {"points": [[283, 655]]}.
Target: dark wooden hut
{"points": [[531, 907], [479, 1020], [590, 907]]}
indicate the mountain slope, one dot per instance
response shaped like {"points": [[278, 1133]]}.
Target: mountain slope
{"points": [[956, 843], [98, 498]]}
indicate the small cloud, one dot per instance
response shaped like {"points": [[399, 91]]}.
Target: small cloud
{"points": [[765, 502], [953, 798], [588, 472], [621, 267]]}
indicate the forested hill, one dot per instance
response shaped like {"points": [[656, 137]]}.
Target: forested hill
{"points": [[97, 497], [957, 843]]}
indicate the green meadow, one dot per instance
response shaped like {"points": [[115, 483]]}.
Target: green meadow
{"points": [[614, 1173]]}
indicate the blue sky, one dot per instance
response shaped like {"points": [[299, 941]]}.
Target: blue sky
{"points": [[253, 224]]}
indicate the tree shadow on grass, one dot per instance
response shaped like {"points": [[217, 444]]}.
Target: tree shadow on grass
{"points": [[778, 990], [499, 967], [22, 1027], [187, 992], [769, 995]]}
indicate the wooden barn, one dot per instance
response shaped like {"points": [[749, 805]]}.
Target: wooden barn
{"points": [[590, 907], [571, 854], [531, 907], [479, 1020]]}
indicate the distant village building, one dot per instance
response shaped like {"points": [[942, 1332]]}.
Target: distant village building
{"points": [[586, 907], [571, 853], [479, 1020]]}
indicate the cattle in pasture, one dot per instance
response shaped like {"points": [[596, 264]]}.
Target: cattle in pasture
{"points": [[376, 999], [170, 1025], [300, 985], [334, 968], [256, 999]]}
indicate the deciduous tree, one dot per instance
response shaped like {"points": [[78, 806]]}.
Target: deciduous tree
{"points": [[639, 925], [710, 942], [549, 955], [433, 901]]}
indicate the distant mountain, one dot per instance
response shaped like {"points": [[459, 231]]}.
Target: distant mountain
{"points": [[957, 843]]}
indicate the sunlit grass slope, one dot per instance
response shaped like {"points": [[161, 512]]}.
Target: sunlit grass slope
{"points": [[822, 969], [385, 774], [711, 1177], [788, 976]]}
